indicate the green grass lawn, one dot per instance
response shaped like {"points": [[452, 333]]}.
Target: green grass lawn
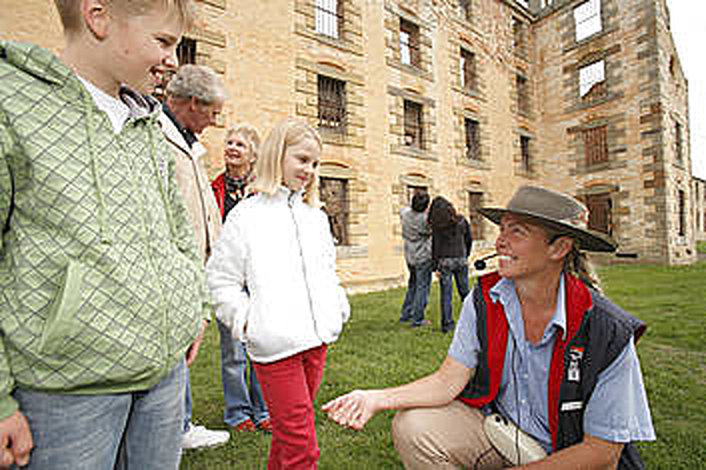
{"points": [[376, 351]]}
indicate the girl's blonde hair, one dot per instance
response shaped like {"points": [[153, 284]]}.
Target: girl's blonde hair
{"points": [[268, 168], [249, 134], [70, 10]]}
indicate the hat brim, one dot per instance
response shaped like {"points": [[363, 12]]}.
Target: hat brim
{"points": [[589, 240]]}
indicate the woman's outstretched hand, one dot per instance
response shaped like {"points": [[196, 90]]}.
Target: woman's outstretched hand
{"points": [[353, 409]]}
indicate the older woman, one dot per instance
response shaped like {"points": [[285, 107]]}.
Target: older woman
{"points": [[245, 409], [240, 153]]}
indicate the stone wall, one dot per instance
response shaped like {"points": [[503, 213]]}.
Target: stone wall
{"points": [[531, 121]]}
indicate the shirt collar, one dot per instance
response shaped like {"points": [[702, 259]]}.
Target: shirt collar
{"points": [[504, 291], [188, 136]]}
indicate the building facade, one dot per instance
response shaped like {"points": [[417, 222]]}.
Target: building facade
{"points": [[465, 98]]}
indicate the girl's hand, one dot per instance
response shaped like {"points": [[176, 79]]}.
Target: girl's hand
{"points": [[354, 409]]}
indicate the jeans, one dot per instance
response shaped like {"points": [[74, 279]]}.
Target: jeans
{"points": [[415, 300], [290, 386], [137, 431], [458, 268], [242, 402], [188, 403]]}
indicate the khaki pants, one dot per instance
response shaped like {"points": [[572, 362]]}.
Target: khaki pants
{"points": [[446, 437]]}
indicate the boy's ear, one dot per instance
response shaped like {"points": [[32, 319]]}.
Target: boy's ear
{"points": [[96, 16]]}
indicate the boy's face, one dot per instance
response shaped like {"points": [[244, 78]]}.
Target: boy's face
{"points": [[142, 47]]}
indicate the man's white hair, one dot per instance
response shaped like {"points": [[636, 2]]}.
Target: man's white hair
{"points": [[197, 81]]}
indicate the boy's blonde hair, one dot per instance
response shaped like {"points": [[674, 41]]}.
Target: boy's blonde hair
{"points": [[70, 10], [249, 134], [268, 168]]}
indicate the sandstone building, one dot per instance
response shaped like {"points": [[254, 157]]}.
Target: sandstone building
{"points": [[465, 98]]}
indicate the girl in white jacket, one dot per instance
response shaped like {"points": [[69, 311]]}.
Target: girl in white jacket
{"points": [[278, 244]]}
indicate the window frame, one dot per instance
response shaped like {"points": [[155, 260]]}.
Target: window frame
{"points": [[589, 76], [468, 69], [587, 19], [525, 153], [475, 219], [472, 139], [595, 140], [415, 129], [337, 111], [343, 240], [523, 94], [410, 31], [328, 18], [600, 209]]}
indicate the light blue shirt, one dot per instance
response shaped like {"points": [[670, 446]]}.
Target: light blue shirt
{"points": [[617, 410]]}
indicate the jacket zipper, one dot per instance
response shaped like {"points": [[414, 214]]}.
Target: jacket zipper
{"points": [[290, 203]]}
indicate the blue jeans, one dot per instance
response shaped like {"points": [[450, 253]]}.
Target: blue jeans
{"points": [[415, 300], [458, 269], [137, 431], [241, 401], [188, 403]]}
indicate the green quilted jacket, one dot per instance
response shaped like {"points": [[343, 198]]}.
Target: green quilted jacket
{"points": [[101, 286]]}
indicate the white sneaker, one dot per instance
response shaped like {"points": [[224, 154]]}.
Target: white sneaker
{"points": [[198, 437]]}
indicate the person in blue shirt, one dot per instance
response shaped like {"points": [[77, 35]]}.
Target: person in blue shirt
{"points": [[538, 347]]}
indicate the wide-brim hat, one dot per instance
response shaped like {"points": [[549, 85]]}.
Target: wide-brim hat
{"points": [[555, 210]]}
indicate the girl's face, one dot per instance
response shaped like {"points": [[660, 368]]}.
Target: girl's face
{"points": [[237, 152], [300, 163]]}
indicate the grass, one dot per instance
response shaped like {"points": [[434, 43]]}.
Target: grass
{"points": [[701, 247], [376, 351]]}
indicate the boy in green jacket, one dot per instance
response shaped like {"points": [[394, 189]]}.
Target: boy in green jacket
{"points": [[101, 288]]}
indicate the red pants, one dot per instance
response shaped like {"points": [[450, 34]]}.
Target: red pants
{"points": [[289, 387]]}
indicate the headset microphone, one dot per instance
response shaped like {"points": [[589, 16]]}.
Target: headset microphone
{"points": [[480, 264]]}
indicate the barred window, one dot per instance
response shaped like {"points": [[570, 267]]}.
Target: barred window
{"points": [[587, 19], [472, 139], [682, 212], [592, 80], [333, 193], [475, 202], [332, 104], [409, 43], [519, 34], [186, 51], [413, 131], [329, 17], [523, 98], [466, 9], [469, 79], [186, 54], [678, 142], [596, 145], [600, 213], [525, 155]]}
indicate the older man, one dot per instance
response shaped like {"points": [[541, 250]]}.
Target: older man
{"points": [[195, 97], [538, 345]]}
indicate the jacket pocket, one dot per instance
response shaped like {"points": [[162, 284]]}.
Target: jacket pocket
{"points": [[60, 322]]}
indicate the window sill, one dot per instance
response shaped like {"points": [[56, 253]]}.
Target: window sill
{"points": [[475, 163], [410, 69], [413, 152]]}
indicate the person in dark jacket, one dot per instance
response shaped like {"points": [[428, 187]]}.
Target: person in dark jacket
{"points": [[450, 247], [538, 344]]}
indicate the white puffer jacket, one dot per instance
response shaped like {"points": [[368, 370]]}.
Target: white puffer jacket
{"points": [[282, 250]]}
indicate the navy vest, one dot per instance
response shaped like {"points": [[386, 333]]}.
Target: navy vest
{"points": [[597, 332]]}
